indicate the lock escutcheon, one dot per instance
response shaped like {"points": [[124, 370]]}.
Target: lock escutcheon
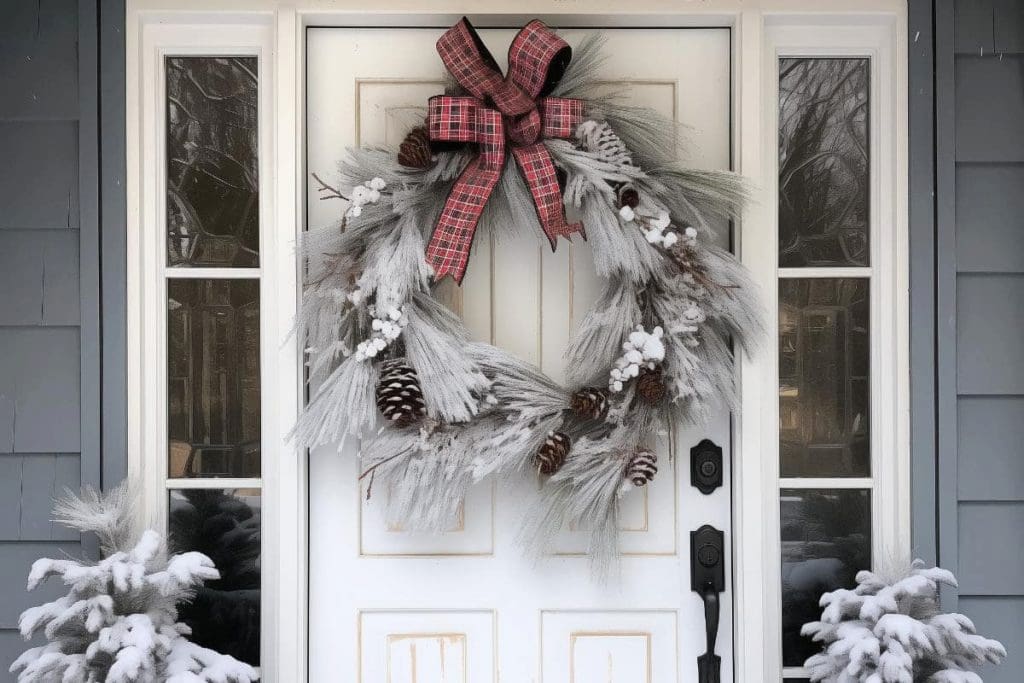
{"points": [[706, 466]]}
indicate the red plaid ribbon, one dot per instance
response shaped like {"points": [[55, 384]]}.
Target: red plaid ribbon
{"points": [[500, 107]]}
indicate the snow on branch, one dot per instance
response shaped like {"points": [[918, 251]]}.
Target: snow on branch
{"points": [[893, 632], [119, 620]]}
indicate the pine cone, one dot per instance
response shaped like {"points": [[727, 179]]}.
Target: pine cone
{"points": [[590, 403], [399, 397], [650, 386], [628, 196], [414, 151], [642, 467], [550, 457]]}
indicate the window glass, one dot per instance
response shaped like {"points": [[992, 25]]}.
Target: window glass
{"points": [[826, 540], [824, 377], [823, 162], [212, 170], [213, 374], [225, 526]]}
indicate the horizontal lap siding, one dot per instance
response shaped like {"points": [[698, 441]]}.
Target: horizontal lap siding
{"points": [[983, 540], [46, 347], [990, 438], [1000, 617]]}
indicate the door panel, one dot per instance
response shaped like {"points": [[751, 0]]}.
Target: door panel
{"points": [[465, 605]]}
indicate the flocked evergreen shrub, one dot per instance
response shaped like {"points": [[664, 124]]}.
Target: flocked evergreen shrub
{"points": [[892, 631], [119, 620]]}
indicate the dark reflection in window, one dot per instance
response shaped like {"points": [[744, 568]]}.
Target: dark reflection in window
{"points": [[826, 540], [212, 175], [225, 526], [824, 384], [823, 162], [213, 376]]}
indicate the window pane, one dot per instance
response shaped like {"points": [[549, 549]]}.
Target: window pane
{"points": [[212, 181], [824, 384], [826, 540], [225, 526], [823, 162], [213, 375]]}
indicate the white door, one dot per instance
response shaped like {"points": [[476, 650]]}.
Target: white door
{"points": [[464, 606]]}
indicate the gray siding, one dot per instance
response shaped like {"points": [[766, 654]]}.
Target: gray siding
{"points": [[49, 314], [979, 214]]}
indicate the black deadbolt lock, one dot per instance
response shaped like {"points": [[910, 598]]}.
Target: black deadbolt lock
{"points": [[706, 466]]}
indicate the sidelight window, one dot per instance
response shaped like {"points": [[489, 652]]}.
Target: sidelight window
{"points": [[211, 279], [836, 334]]}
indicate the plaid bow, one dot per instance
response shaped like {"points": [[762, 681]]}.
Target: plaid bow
{"points": [[500, 107]]}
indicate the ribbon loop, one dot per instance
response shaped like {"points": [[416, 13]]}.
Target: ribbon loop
{"points": [[537, 59]]}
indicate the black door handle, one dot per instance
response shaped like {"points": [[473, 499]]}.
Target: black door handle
{"points": [[707, 579], [709, 665]]}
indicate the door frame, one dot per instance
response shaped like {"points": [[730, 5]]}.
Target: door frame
{"points": [[758, 29]]}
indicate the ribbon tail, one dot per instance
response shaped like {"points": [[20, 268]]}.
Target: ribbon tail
{"points": [[452, 239], [539, 173]]}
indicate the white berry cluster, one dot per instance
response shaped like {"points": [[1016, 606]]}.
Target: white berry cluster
{"points": [[367, 193], [386, 327], [642, 349], [655, 232]]}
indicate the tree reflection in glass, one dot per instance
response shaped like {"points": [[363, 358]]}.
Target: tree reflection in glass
{"points": [[212, 169], [823, 162]]}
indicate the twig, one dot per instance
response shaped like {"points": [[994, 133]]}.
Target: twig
{"points": [[374, 467], [327, 191]]}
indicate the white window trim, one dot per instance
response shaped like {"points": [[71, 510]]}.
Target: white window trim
{"points": [[276, 30], [889, 483], [150, 41]]}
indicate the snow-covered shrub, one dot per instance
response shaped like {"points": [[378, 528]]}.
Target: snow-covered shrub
{"points": [[119, 621], [886, 631]]}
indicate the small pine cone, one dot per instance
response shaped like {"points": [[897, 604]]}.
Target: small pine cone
{"points": [[414, 151], [642, 467], [650, 386], [550, 457], [628, 196], [399, 396], [590, 403]]}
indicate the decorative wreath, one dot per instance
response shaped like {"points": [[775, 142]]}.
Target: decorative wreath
{"points": [[656, 347]]}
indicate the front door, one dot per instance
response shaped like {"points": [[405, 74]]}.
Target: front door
{"points": [[465, 606]]}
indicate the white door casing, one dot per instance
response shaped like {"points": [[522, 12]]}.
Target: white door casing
{"points": [[427, 605], [759, 31]]}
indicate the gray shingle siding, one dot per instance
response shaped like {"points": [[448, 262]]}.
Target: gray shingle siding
{"points": [[49, 338], [979, 309]]}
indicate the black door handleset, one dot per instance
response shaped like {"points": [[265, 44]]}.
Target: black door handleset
{"points": [[707, 579]]}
